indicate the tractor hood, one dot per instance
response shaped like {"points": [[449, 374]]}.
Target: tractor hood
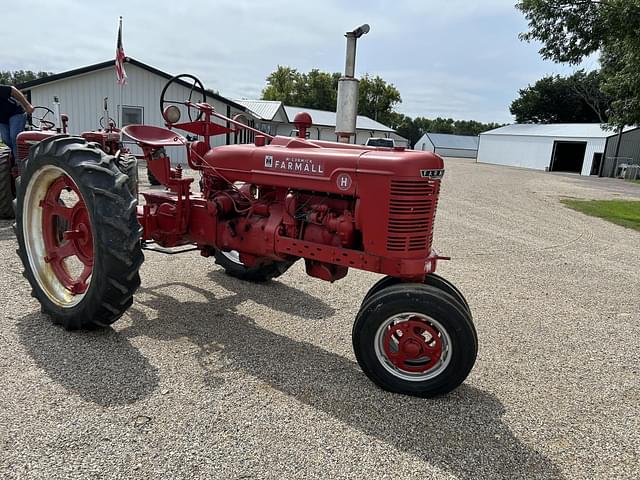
{"points": [[320, 166]]}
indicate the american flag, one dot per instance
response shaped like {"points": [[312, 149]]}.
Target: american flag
{"points": [[121, 75]]}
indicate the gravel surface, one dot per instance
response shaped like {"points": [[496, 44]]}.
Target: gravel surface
{"points": [[209, 377]]}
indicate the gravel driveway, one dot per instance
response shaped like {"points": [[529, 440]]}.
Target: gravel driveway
{"points": [[209, 377]]}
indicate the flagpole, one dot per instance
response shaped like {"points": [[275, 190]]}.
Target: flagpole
{"points": [[121, 84], [120, 115]]}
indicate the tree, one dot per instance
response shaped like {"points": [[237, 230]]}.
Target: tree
{"points": [[406, 127], [316, 89], [413, 129], [281, 85], [17, 77], [377, 99], [554, 99], [570, 30]]}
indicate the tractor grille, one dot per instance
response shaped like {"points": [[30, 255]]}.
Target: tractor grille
{"points": [[23, 151], [412, 209]]}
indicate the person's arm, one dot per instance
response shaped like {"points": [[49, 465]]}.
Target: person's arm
{"points": [[17, 94]]}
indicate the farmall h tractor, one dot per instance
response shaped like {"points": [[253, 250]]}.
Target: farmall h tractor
{"points": [[41, 126], [261, 207], [46, 123]]}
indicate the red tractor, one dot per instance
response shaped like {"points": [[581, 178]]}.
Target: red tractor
{"points": [[260, 208], [10, 167], [46, 124]]}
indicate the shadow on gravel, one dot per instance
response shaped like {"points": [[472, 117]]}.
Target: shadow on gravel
{"points": [[101, 366], [461, 433], [275, 294], [6, 230]]}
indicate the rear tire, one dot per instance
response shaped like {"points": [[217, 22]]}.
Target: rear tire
{"points": [[232, 265], [81, 256], [159, 153], [7, 185], [151, 177], [414, 339], [128, 164]]}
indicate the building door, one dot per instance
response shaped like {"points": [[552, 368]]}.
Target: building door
{"points": [[595, 165], [567, 156]]}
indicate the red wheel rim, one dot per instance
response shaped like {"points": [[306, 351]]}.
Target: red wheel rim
{"points": [[66, 231], [413, 345]]}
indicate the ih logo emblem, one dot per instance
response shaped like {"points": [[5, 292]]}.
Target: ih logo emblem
{"points": [[432, 174], [268, 161]]}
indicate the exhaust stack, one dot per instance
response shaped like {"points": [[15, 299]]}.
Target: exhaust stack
{"points": [[56, 114], [347, 103]]}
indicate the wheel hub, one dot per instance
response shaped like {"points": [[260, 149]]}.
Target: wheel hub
{"points": [[413, 345], [66, 231], [411, 348], [80, 234]]}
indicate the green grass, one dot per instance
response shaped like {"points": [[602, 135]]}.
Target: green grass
{"points": [[635, 181], [621, 212]]}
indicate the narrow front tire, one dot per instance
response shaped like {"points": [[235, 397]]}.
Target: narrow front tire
{"points": [[414, 339]]}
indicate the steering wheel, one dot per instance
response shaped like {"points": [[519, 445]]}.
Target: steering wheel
{"points": [[195, 87], [109, 122], [44, 124]]}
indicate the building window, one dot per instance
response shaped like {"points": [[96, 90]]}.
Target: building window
{"points": [[265, 128], [132, 115]]}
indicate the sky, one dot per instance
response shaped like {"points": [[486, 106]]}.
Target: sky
{"points": [[448, 58]]}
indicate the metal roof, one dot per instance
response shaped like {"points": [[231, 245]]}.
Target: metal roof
{"points": [[447, 140], [321, 117], [109, 64], [263, 109], [571, 130], [267, 110]]}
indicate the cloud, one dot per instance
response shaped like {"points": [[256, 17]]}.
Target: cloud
{"points": [[448, 57]]}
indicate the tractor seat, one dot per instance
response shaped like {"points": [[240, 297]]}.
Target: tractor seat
{"points": [[153, 136]]}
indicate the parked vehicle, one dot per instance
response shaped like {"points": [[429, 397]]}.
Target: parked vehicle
{"points": [[380, 142]]}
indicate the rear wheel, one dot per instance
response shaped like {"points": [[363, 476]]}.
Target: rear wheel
{"points": [[232, 265], [158, 153], [414, 339], [7, 185], [78, 234], [152, 178], [128, 164]]}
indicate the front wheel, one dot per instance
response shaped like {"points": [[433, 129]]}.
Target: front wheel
{"points": [[78, 233], [432, 279], [414, 339]]}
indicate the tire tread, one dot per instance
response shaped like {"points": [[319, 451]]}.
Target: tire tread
{"points": [[116, 231]]}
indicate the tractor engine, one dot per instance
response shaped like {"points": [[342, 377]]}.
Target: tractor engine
{"points": [[250, 217]]}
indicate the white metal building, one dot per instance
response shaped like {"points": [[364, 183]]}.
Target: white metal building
{"points": [[275, 118], [568, 147], [447, 145], [81, 94]]}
